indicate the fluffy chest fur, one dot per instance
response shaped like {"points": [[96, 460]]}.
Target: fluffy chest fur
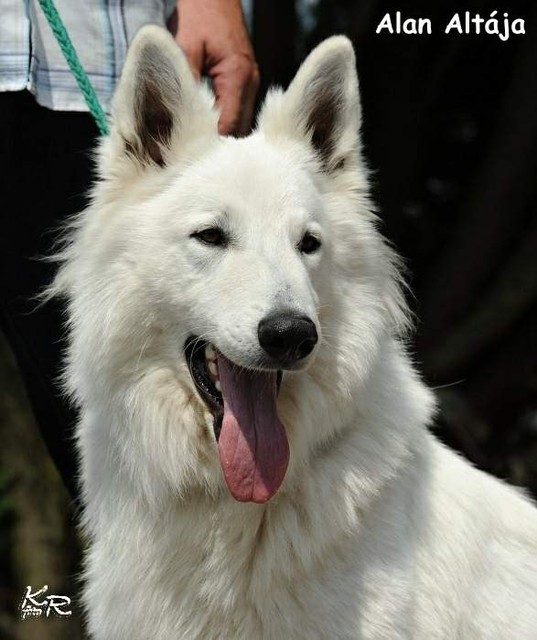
{"points": [[416, 561]]}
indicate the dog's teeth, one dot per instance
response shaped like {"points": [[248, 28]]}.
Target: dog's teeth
{"points": [[210, 353], [213, 369], [218, 385]]}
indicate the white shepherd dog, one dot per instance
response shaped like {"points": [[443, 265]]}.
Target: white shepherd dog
{"points": [[256, 462]]}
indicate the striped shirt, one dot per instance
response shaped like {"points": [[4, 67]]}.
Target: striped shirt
{"points": [[100, 30]]}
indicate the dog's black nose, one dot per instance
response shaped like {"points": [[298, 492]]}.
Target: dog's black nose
{"points": [[287, 337]]}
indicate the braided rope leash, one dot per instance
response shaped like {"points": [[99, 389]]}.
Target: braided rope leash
{"points": [[70, 55]]}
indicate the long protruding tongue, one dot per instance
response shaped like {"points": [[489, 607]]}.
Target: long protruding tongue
{"points": [[253, 446]]}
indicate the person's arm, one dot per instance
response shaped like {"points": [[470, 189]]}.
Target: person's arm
{"points": [[213, 35]]}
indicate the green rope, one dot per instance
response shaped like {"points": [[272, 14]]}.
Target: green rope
{"points": [[70, 55]]}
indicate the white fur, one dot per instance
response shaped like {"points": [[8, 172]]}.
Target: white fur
{"points": [[379, 531]]}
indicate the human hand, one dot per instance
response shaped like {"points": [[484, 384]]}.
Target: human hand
{"points": [[213, 36]]}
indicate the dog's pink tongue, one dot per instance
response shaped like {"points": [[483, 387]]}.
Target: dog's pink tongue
{"points": [[253, 446]]}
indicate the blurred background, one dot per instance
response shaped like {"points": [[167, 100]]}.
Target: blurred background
{"points": [[450, 133]]}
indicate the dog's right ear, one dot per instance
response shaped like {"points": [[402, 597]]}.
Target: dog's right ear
{"points": [[158, 101]]}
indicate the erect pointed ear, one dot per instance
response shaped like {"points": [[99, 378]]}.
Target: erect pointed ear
{"points": [[322, 104], [158, 99]]}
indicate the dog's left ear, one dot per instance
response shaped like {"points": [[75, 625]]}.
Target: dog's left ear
{"points": [[158, 102], [321, 104]]}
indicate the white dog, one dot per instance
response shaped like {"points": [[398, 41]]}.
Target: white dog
{"points": [[256, 462]]}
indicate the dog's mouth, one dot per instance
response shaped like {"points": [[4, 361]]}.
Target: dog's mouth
{"points": [[203, 366], [252, 443]]}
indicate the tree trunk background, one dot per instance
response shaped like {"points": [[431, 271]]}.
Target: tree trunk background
{"points": [[40, 542]]}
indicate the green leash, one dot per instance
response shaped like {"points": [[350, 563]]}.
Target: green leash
{"points": [[70, 55]]}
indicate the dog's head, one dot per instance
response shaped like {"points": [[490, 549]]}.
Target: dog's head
{"points": [[209, 271]]}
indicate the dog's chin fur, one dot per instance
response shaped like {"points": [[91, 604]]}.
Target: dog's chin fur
{"points": [[378, 531]]}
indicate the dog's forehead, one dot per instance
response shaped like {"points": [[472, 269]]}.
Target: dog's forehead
{"points": [[251, 176]]}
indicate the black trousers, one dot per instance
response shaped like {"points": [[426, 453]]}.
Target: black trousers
{"points": [[46, 170]]}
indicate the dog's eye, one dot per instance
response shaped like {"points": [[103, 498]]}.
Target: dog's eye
{"points": [[212, 235], [309, 243]]}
